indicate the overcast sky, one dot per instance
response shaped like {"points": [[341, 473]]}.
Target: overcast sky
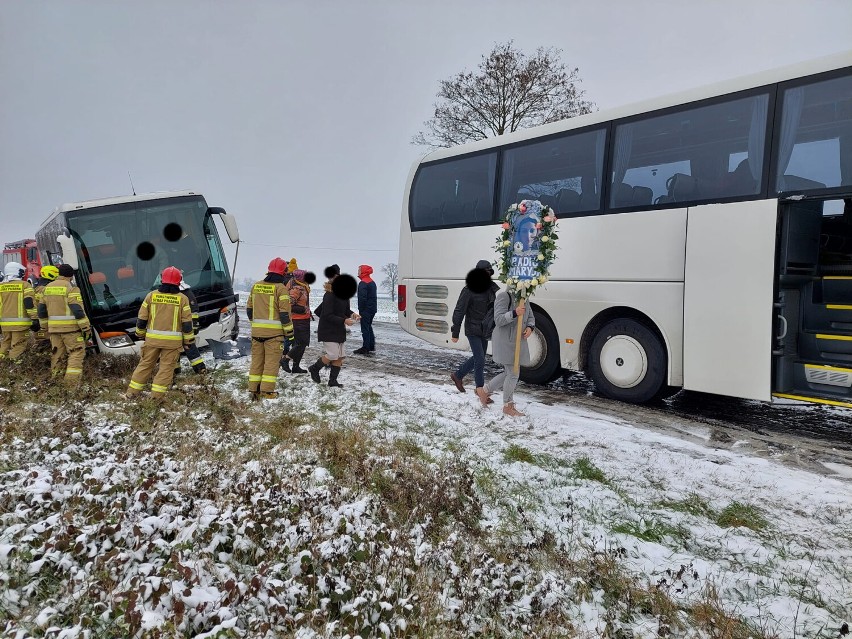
{"points": [[297, 116]]}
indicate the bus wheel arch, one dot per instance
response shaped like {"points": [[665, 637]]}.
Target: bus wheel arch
{"points": [[544, 347], [623, 351]]}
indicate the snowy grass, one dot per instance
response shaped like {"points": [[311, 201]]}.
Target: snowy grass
{"points": [[360, 512]]}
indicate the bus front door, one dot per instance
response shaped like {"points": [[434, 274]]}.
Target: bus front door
{"points": [[729, 279]]}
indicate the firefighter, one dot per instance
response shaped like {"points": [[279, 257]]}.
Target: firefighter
{"points": [[165, 322], [191, 350], [67, 325], [47, 274], [17, 312], [268, 310]]}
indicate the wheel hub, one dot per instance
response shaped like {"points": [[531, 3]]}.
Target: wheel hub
{"points": [[538, 348], [624, 361]]}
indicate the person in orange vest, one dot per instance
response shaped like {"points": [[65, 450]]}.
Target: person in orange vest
{"points": [[17, 312], [67, 325], [165, 321], [268, 310]]}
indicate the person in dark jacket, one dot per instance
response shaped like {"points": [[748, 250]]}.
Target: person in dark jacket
{"points": [[300, 312], [334, 316], [191, 350], [476, 306], [367, 307]]}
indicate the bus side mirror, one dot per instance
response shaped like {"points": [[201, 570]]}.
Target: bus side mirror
{"points": [[229, 221], [69, 251]]}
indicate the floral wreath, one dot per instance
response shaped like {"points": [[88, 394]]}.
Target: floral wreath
{"points": [[546, 227]]}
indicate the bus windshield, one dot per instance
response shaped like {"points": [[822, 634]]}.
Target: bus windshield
{"points": [[123, 249]]}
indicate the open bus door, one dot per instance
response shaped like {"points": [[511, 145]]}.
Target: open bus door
{"points": [[813, 359], [728, 298]]}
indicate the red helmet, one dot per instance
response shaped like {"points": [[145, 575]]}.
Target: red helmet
{"points": [[278, 266], [171, 275]]}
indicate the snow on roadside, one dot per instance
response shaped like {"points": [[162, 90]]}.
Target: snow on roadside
{"points": [[185, 543]]}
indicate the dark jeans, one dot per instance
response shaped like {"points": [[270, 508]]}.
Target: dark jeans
{"points": [[301, 339], [475, 362], [367, 333]]}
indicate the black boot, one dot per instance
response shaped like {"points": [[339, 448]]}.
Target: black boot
{"points": [[296, 367], [360, 351], [315, 368], [332, 378], [285, 364]]}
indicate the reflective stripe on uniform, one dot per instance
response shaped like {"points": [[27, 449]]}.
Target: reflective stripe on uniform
{"points": [[158, 388], [254, 378], [73, 371], [136, 385], [175, 335], [16, 322], [260, 322], [267, 378], [195, 362]]}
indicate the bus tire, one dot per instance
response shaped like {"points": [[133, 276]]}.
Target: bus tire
{"points": [[627, 362], [546, 346]]}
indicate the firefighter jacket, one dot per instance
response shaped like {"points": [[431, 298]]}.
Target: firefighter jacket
{"points": [[165, 319], [17, 306], [268, 308], [62, 307], [300, 303], [41, 334]]}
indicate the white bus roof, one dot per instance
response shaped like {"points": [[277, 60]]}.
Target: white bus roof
{"points": [[743, 83], [122, 199]]}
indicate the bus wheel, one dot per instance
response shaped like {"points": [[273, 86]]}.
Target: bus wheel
{"points": [[627, 361], [544, 352]]}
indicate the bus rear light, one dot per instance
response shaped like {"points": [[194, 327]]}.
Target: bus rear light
{"points": [[400, 298]]}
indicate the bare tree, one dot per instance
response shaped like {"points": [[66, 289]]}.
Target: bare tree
{"points": [[510, 91], [389, 283]]}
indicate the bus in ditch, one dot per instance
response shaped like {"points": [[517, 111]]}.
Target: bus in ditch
{"points": [[119, 246], [705, 238]]}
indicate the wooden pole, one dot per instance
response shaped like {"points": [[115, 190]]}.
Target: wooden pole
{"points": [[517, 367]]}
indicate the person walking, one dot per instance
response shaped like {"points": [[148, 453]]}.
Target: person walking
{"points": [[268, 310], [476, 307], [18, 313], [334, 316], [300, 312], [506, 313], [165, 323], [67, 325], [367, 307]]}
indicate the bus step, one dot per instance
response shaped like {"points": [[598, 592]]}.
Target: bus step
{"points": [[830, 318], [837, 289], [819, 380], [826, 348]]}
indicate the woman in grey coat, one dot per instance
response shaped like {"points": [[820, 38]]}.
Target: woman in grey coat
{"points": [[503, 349]]}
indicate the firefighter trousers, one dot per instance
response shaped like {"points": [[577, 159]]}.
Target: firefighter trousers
{"points": [[13, 344], [168, 358], [72, 347], [265, 359]]}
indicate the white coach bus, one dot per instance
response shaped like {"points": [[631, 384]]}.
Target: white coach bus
{"points": [[119, 246], [716, 254]]}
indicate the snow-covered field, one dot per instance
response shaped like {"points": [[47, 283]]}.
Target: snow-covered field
{"points": [[396, 507]]}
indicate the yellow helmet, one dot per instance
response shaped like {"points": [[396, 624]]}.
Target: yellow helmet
{"points": [[49, 272]]}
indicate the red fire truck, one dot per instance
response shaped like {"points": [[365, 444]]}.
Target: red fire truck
{"points": [[25, 252]]}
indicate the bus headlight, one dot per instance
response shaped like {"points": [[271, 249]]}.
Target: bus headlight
{"points": [[116, 340], [226, 313]]}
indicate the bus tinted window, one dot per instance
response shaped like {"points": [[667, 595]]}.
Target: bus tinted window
{"points": [[454, 193], [563, 172], [815, 142], [688, 155]]}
